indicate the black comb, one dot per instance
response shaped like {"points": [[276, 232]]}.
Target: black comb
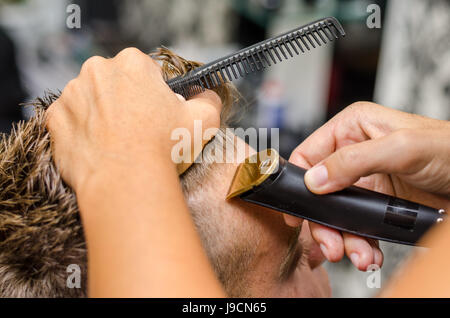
{"points": [[257, 57]]}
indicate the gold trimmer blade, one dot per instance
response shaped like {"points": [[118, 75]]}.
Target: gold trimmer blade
{"points": [[253, 172]]}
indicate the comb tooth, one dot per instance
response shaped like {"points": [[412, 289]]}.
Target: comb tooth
{"points": [[203, 81], [274, 48], [334, 31], [227, 70], [264, 58], [258, 60], [281, 50], [309, 40], [275, 51], [207, 81], [290, 41], [216, 79], [298, 43], [187, 91], [271, 55], [200, 84], [311, 31], [287, 47], [197, 87], [184, 91], [324, 29], [233, 70], [336, 25], [224, 79], [178, 87], [331, 27], [250, 64], [318, 29], [300, 35], [239, 69], [244, 65], [252, 57]]}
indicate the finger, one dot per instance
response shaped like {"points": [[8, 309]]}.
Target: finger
{"points": [[142, 66], [378, 256], [291, 220], [206, 107], [180, 97], [315, 255], [358, 250], [345, 126], [330, 241], [396, 153], [316, 147]]}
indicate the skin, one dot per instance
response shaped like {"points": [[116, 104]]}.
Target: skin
{"points": [[262, 233], [381, 149], [111, 96], [114, 123], [119, 135]]}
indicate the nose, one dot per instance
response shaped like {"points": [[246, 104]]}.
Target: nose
{"points": [[316, 257]]}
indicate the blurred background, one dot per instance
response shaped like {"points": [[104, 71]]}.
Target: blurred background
{"points": [[404, 63]]}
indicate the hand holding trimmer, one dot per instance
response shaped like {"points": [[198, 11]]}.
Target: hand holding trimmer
{"points": [[268, 180]]}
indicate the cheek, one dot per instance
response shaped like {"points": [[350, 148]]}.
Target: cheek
{"points": [[306, 283]]}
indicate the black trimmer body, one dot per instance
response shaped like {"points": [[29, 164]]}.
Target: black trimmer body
{"points": [[354, 210]]}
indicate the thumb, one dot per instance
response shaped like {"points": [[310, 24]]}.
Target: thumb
{"points": [[393, 153]]}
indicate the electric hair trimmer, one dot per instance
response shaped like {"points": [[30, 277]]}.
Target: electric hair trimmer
{"points": [[268, 180]]}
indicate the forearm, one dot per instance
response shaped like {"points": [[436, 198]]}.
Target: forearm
{"points": [[140, 236]]}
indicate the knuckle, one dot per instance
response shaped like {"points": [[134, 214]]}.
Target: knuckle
{"points": [[348, 156], [92, 63], [357, 106], [404, 140], [360, 107], [130, 52], [70, 89]]}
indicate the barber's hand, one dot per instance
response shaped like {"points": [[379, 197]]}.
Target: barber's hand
{"points": [[381, 149], [120, 111]]}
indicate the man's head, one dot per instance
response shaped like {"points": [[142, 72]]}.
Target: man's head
{"points": [[251, 249]]}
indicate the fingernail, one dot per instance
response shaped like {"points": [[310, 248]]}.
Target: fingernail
{"points": [[324, 250], [316, 177], [377, 256], [180, 97], [355, 259]]}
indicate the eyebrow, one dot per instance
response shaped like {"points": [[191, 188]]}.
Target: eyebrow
{"points": [[294, 252]]}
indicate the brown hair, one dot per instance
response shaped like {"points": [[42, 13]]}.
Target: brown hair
{"points": [[40, 228]]}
